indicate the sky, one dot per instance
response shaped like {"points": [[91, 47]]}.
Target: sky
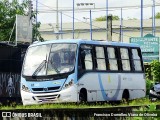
{"points": [[47, 9]]}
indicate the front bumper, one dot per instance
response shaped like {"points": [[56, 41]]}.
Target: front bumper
{"points": [[66, 95]]}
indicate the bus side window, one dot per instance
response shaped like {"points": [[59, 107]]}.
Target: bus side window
{"points": [[113, 65], [136, 60], [125, 59], [100, 58], [86, 59]]}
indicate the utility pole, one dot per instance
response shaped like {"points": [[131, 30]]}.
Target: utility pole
{"points": [[30, 8], [152, 20], [109, 28], [90, 12], [57, 22], [91, 24], [121, 26], [61, 26], [107, 20], [120, 33], [36, 16], [73, 20], [141, 18], [153, 17]]}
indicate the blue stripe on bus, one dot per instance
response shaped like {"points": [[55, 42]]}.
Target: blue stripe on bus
{"points": [[105, 96]]}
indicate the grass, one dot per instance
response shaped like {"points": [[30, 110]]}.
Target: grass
{"points": [[136, 102], [56, 106]]}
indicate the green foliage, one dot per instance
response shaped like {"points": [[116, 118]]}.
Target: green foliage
{"points": [[152, 107], [7, 17], [115, 17], [157, 16], [149, 84], [103, 18], [135, 102], [148, 72], [132, 18], [8, 11], [155, 70], [144, 110], [36, 34]]}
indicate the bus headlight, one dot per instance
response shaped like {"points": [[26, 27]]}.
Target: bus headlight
{"points": [[70, 83], [25, 88]]}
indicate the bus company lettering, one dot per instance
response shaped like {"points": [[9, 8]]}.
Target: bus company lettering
{"points": [[34, 115], [26, 114]]}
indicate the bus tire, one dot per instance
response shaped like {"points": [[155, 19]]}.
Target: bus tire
{"points": [[125, 95], [83, 95]]}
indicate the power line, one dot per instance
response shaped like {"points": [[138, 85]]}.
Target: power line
{"points": [[83, 11], [102, 8], [51, 9], [97, 9]]}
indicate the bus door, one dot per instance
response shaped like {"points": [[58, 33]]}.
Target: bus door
{"points": [[86, 76]]}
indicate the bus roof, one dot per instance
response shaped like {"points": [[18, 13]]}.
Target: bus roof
{"points": [[80, 41]]}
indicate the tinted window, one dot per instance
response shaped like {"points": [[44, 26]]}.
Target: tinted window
{"points": [[86, 57], [136, 60], [100, 58], [125, 59], [113, 65]]}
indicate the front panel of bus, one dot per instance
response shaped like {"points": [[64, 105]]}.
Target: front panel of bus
{"points": [[48, 74]]}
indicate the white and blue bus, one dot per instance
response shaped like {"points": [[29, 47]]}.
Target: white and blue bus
{"points": [[82, 70]]}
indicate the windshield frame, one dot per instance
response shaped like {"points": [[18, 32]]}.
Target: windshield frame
{"points": [[53, 76]]}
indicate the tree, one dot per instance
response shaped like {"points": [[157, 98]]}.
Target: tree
{"points": [[154, 70], [8, 11], [132, 18], [103, 18], [157, 16]]}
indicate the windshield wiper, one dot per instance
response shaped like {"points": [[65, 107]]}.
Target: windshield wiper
{"points": [[55, 67], [39, 68]]}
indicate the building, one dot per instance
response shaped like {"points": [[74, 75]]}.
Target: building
{"points": [[130, 28]]}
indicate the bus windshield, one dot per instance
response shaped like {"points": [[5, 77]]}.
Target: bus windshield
{"points": [[49, 59]]}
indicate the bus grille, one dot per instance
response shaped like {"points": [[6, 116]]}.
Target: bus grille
{"points": [[45, 89], [47, 98]]}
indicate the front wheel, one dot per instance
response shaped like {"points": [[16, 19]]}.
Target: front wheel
{"points": [[82, 97]]}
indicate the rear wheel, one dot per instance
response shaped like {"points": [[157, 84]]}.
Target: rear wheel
{"points": [[125, 96]]}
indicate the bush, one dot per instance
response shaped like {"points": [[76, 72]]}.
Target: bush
{"points": [[155, 70], [149, 84]]}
